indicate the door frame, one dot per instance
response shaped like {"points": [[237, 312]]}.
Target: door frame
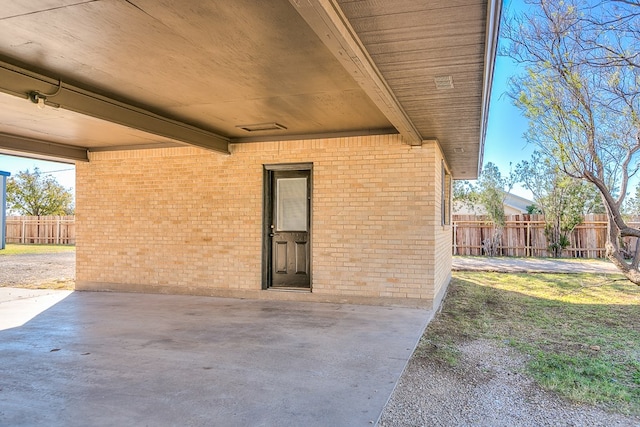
{"points": [[267, 217]]}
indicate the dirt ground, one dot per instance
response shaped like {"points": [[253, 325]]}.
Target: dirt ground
{"points": [[487, 387], [42, 271]]}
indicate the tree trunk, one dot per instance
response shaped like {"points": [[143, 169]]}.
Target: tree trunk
{"points": [[614, 253], [491, 245]]}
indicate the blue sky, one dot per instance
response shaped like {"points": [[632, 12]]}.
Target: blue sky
{"points": [[504, 144], [64, 173]]}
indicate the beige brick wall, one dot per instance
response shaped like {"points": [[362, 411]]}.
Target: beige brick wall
{"points": [[186, 220]]}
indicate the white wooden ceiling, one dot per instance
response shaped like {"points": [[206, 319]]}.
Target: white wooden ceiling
{"points": [[315, 67]]}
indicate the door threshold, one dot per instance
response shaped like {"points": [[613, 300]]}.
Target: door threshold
{"points": [[289, 289]]}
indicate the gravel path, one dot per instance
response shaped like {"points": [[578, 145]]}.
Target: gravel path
{"points": [[532, 265], [486, 388], [35, 270]]}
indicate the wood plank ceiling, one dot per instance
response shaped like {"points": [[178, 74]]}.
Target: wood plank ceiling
{"points": [[146, 73], [415, 43]]}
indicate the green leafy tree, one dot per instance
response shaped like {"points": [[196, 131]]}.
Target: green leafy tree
{"points": [[493, 191], [32, 193], [533, 210], [466, 194], [487, 195], [562, 200], [581, 93]]}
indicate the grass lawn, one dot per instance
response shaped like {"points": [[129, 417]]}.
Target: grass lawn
{"points": [[581, 332], [18, 249]]}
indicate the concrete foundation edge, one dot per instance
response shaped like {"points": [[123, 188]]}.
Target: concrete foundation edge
{"points": [[271, 294], [437, 301]]}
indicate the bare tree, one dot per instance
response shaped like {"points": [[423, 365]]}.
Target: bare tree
{"points": [[581, 93]]}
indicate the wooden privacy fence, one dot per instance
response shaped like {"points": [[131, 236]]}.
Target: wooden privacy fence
{"points": [[56, 230], [523, 235]]}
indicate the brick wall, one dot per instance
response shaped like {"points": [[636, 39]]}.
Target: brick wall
{"points": [[185, 220], [442, 241]]}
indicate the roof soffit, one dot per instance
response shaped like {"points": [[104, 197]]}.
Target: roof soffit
{"points": [[317, 67]]}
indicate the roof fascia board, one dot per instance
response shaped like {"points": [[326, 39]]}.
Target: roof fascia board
{"points": [[327, 20], [21, 82], [494, 12]]}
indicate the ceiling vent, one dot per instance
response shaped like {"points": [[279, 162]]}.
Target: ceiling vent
{"points": [[444, 82], [257, 127]]}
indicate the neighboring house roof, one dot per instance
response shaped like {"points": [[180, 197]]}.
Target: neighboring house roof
{"points": [[138, 74], [517, 203], [513, 205]]}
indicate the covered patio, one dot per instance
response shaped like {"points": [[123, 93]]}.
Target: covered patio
{"points": [[238, 148], [302, 153]]}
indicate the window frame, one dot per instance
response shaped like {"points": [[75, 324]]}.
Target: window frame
{"points": [[446, 196]]}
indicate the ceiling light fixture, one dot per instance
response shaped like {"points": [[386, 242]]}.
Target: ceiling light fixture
{"points": [[262, 127]]}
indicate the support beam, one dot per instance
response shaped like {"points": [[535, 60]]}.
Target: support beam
{"points": [[21, 146], [345, 134], [29, 85], [328, 21]]}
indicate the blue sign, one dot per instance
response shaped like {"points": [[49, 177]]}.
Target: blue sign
{"points": [[3, 208]]}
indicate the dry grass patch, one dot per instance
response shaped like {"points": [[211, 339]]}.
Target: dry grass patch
{"points": [[63, 285], [19, 249]]}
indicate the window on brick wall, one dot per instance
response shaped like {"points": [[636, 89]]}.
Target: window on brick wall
{"points": [[446, 196]]}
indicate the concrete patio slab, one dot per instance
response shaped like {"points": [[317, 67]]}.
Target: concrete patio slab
{"points": [[107, 359], [18, 305]]}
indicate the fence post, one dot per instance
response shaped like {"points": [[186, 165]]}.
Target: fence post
{"points": [[455, 238]]}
